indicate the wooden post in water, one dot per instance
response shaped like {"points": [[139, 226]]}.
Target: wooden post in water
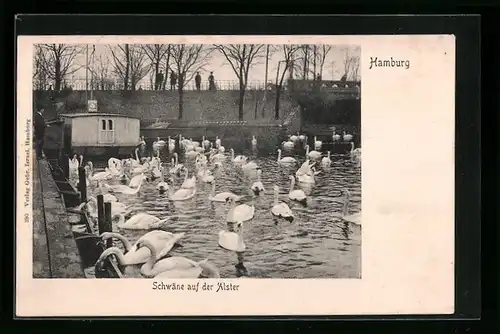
{"points": [[107, 226], [100, 213], [82, 184]]}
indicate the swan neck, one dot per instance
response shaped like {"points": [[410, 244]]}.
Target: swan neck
{"points": [[292, 184], [124, 241], [148, 266], [114, 251], [137, 154]]}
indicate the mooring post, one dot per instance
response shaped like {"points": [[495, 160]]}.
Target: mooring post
{"points": [[107, 226], [82, 184], [100, 213]]}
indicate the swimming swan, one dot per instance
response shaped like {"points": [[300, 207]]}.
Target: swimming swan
{"points": [[123, 189], [312, 154], [296, 194], [326, 161], [354, 218], [223, 196], [140, 221], [232, 241], [239, 213], [182, 194], [257, 186], [161, 240], [188, 182], [285, 159], [280, 209], [162, 186], [175, 266], [239, 159]]}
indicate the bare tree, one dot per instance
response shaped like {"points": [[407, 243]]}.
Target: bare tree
{"points": [[167, 66], [139, 66], [129, 64], [40, 76], [241, 57], [323, 53], [289, 51], [156, 53], [351, 64], [59, 61], [121, 63], [101, 73], [187, 59]]}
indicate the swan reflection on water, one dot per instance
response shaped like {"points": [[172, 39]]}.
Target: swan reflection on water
{"points": [[231, 218]]}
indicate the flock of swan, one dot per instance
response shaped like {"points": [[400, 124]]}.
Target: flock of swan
{"points": [[148, 256]]}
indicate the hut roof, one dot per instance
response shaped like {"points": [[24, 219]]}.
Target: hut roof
{"points": [[93, 114]]}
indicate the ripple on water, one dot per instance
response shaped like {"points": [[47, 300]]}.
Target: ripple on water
{"points": [[318, 244]]}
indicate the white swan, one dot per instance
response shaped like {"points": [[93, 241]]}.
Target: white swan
{"points": [[91, 207], [171, 144], [223, 196], [288, 144], [347, 137], [232, 241], [162, 186], [305, 168], [175, 266], [140, 221], [354, 218], [257, 187], [161, 240], [99, 176], [254, 141], [177, 167], [296, 194], [355, 152], [313, 154], [192, 154], [73, 165], [335, 137], [238, 159], [280, 209], [302, 137], [317, 143], [285, 159], [123, 189], [136, 180], [182, 194], [294, 138], [188, 182], [249, 165], [326, 161], [239, 213]]}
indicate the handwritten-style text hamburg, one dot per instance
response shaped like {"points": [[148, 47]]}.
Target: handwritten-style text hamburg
{"points": [[376, 62], [218, 287]]}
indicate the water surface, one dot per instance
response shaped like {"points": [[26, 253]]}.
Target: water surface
{"points": [[318, 244]]}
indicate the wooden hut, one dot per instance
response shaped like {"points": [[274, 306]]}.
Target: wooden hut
{"points": [[100, 134]]}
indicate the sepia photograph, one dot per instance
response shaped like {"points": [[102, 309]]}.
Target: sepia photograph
{"points": [[192, 160], [225, 172]]}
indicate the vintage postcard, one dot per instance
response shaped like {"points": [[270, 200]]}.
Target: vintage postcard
{"points": [[235, 175]]}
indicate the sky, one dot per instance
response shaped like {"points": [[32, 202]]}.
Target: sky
{"points": [[333, 68]]}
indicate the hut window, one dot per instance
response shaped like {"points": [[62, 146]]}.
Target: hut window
{"points": [[106, 131]]}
